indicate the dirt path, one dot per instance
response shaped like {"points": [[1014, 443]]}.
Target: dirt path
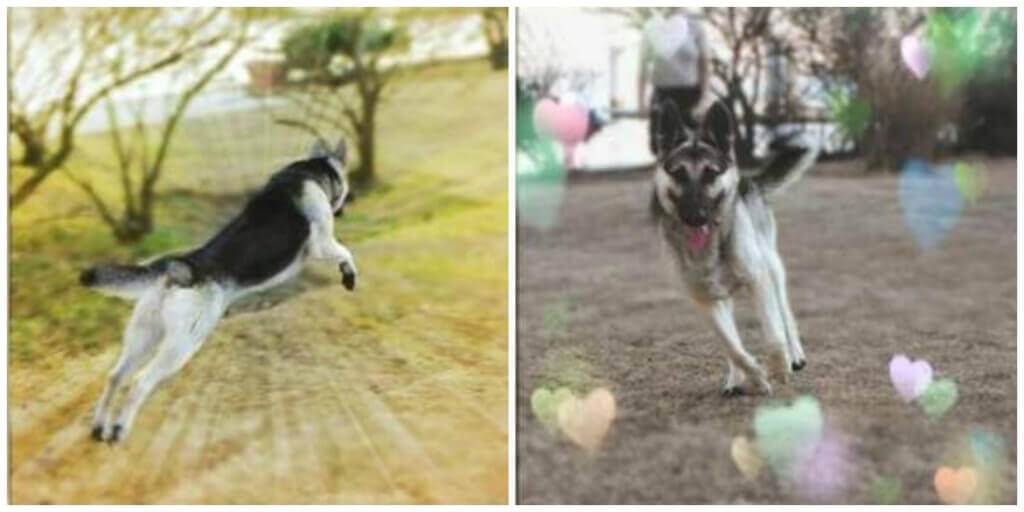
{"points": [[272, 411], [861, 291]]}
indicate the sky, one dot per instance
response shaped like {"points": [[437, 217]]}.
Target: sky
{"points": [[438, 38]]}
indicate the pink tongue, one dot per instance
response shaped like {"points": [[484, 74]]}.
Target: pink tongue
{"points": [[698, 237]]}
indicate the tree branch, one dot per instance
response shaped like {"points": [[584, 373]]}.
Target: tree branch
{"points": [[97, 201], [179, 110]]}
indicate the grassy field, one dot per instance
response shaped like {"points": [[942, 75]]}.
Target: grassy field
{"points": [[307, 393]]}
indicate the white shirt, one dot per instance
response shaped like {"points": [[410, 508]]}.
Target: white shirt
{"points": [[675, 44]]}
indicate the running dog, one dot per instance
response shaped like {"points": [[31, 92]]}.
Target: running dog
{"points": [[180, 298], [722, 236]]}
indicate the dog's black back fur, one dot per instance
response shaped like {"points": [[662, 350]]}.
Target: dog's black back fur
{"points": [[269, 233]]}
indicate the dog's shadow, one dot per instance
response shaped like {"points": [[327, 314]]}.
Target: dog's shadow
{"points": [[268, 299]]}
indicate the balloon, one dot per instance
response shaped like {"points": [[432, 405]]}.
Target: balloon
{"points": [[568, 123], [544, 114]]}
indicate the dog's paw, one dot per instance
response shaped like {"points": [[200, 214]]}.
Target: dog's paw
{"points": [[117, 434], [731, 391], [799, 365], [348, 281], [348, 276], [761, 385], [97, 433]]}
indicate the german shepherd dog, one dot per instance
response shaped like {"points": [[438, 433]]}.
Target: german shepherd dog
{"points": [[722, 236], [180, 298]]}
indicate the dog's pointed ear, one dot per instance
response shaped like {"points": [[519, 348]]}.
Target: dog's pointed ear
{"points": [[318, 149], [718, 128], [341, 151], [673, 127]]}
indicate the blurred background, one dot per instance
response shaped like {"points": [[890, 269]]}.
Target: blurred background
{"points": [[836, 73], [138, 131], [900, 240]]}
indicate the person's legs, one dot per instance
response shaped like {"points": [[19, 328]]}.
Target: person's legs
{"points": [[654, 122]]}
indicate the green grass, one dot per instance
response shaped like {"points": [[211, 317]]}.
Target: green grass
{"points": [[442, 153]]}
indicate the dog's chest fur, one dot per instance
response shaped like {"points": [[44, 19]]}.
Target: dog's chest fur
{"points": [[709, 275]]}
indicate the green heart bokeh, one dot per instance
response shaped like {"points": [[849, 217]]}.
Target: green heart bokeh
{"points": [[785, 433], [886, 490], [545, 402], [938, 397]]}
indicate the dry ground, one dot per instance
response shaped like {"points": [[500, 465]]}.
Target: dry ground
{"points": [[861, 292]]}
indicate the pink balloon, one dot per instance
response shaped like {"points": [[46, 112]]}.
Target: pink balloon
{"points": [[544, 114], [571, 124], [568, 123]]}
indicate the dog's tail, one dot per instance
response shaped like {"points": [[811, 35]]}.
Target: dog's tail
{"points": [[130, 281], [787, 165]]}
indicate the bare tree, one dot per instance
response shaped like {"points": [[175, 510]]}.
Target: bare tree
{"points": [[538, 61], [140, 162], [747, 32], [343, 60], [64, 61], [857, 51], [495, 27]]}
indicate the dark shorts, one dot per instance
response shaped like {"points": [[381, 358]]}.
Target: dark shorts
{"points": [[661, 117]]}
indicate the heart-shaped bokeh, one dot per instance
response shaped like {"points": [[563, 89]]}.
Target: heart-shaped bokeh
{"points": [[938, 398], [824, 470], [556, 319], [586, 421], [786, 434], [987, 448], [886, 490], [745, 455], [971, 181], [915, 55], [909, 378], [956, 486], [930, 201], [545, 404]]}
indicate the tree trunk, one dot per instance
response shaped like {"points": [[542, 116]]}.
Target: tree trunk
{"points": [[133, 227], [365, 175], [498, 54]]}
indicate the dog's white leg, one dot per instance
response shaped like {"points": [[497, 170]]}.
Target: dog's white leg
{"points": [[317, 208], [796, 349], [750, 253], [733, 379], [144, 329], [772, 324], [778, 273], [720, 313], [189, 315]]}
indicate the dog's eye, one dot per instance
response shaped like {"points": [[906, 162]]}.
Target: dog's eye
{"points": [[709, 174], [678, 172]]}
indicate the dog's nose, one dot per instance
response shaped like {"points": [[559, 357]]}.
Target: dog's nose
{"points": [[695, 216]]}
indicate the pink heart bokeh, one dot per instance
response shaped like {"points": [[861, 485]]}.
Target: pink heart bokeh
{"points": [[826, 469], [915, 55], [909, 378], [566, 122]]}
